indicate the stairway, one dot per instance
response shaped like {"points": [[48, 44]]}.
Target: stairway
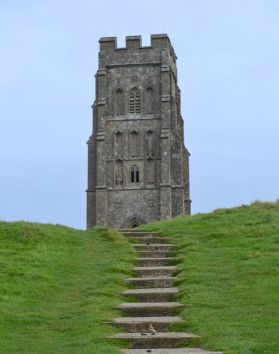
{"points": [[147, 321]]}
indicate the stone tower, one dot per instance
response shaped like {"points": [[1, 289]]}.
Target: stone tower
{"points": [[138, 169]]}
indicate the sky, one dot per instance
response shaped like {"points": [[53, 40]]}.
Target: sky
{"points": [[228, 72]]}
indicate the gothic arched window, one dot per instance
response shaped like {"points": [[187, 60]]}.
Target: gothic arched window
{"points": [[149, 100], [118, 102], [134, 101], [135, 174]]}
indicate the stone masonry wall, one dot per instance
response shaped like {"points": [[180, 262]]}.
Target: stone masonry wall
{"points": [[138, 168]]}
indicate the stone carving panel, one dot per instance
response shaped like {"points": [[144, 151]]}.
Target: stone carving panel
{"points": [[118, 102], [149, 100], [110, 174], [150, 172], [118, 173], [118, 145], [150, 144], [134, 143]]}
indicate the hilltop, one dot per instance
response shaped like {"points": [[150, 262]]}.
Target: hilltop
{"points": [[229, 276], [57, 284]]}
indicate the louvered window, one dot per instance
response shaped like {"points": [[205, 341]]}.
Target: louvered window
{"points": [[134, 101]]}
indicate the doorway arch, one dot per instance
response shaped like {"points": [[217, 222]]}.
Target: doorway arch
{"points": [[132, 222]]}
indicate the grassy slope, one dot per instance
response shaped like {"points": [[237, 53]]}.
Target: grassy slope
{"points": [[57, 285], [229, 276]]}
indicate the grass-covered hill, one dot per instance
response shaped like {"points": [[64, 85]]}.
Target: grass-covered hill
{"points": [[229, 276], [58, 285]]}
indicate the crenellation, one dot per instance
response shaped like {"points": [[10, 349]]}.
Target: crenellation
{"points": [[125, 55], [133, 42], [160, 41], [108, 43]]}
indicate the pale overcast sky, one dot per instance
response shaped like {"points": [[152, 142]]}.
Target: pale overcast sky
{"points": [[228, 72]]}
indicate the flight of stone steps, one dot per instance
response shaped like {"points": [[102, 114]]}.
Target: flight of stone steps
{"points": [[147, 321]]}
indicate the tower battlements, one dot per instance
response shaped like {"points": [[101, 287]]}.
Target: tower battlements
{"points": [[158, 42]]}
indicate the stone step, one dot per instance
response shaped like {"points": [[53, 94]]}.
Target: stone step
{"points": [[129, 233], [157, 340], [153, 294], [155, 282], [155, 254], [155, 271], [149, 309], [151, 239], [154, 247], [169, 351], [142, 324], [156, 262]]}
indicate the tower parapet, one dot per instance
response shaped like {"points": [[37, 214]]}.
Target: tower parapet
{"points": [[158, 41]]}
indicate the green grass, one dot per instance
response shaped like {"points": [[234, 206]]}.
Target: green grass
{"points": [[229, 276], [57, 286]]}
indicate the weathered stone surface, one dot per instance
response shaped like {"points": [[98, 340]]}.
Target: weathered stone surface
{"points": [[156, 254], [155, 271], [160, 339], [138, 166], [153, 294], [155, 282], [142, 324], [148, 309], [153, 262], [153, 247], [150, 239]]}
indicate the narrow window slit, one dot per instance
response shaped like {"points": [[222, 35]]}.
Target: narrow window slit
{"points": [[134, 174]]}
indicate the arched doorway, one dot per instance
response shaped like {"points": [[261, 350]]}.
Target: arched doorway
{"points": [[132, 222]]}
